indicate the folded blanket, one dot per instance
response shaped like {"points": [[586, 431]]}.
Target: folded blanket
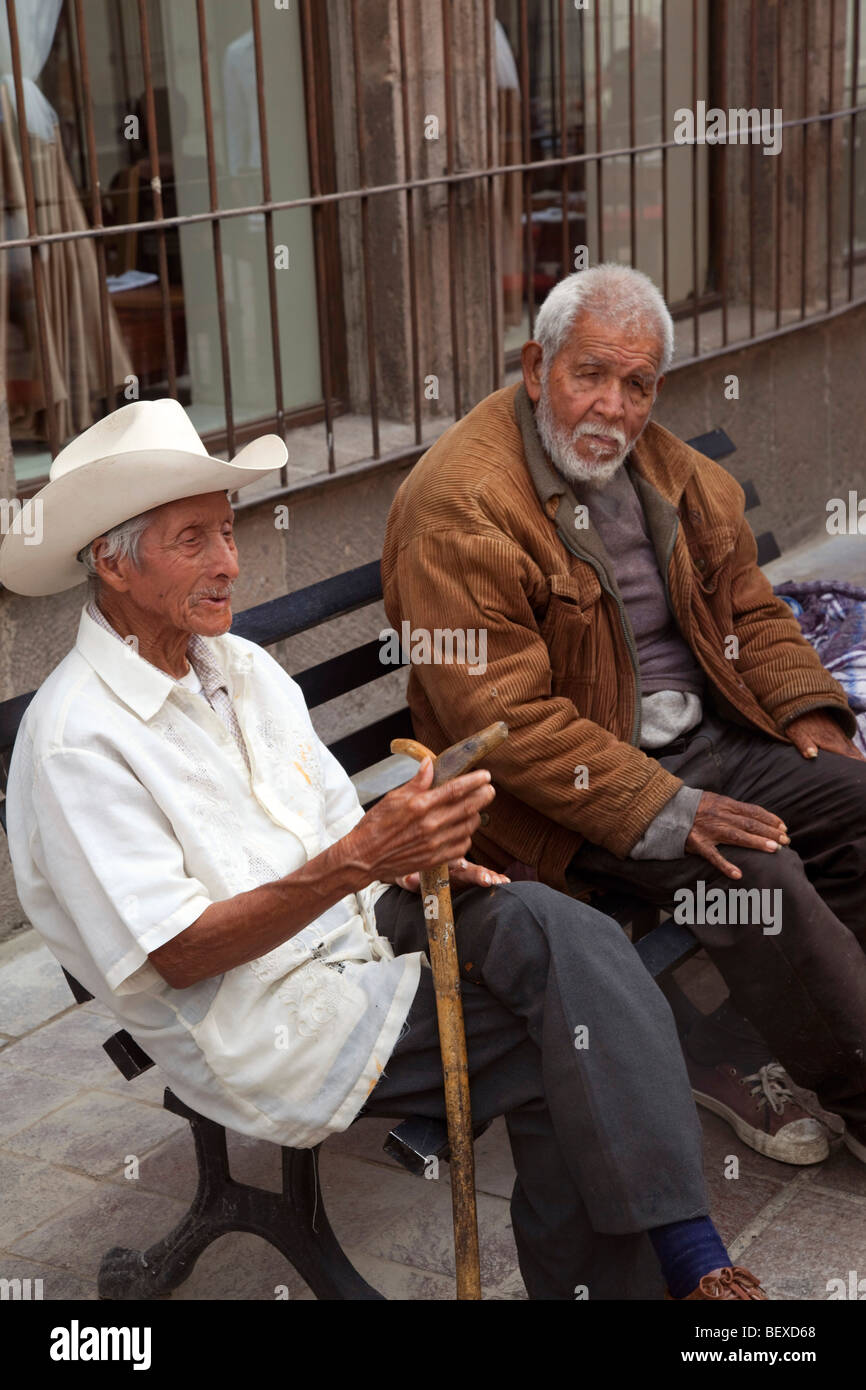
{"points": [[832, 616]]}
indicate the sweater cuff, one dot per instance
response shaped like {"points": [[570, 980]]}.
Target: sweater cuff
{"points": [[665, 837]]}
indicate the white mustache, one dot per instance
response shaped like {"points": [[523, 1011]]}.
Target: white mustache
{"points": [[589, 428]]}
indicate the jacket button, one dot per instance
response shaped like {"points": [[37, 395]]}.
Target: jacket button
{"points": [[701, 563]]}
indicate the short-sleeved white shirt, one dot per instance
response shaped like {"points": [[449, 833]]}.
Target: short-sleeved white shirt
{"points": [[130, 811]]}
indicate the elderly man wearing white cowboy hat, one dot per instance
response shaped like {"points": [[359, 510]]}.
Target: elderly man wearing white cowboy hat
{"points": [[195, 856]]}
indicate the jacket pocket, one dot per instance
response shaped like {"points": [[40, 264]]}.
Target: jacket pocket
{"points": [[570, 630], [711, 560]]}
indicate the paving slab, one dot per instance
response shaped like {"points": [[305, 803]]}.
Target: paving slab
{"points": [[494, 1167], [108, 1215], [33, 988], [362, 1198], [421, 1237], [96, 1133], [241, 1266], [842, 1172], [57, 1285], [26, 1096], [399, 1283], [816, 1237], [34, 1192], [71, 1047]]}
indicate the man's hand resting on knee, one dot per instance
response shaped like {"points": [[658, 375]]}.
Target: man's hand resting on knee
{"points": [[817, 730], [722, 821]]}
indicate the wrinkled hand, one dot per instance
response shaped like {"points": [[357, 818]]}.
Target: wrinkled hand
{"points": [[416, 827], [460, 871], [809, 732], [723, 821]]}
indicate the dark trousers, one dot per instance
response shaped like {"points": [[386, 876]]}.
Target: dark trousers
{"points": [[604, 1134], [804, 988]]}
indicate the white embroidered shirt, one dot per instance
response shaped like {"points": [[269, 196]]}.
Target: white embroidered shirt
{"points": [[131, 809]]}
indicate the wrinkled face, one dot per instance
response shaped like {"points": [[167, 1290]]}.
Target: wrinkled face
{"points": [[594, 400], [187, 565]]}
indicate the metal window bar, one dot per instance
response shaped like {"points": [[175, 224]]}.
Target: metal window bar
{"points": [[695, 259], [753, 97], [216, 226], [369, 326], [409, 187], [409, 204], [317, 202], [493, 248], [33, 239], [852, 148], [270, 240], [156, 190], [96, 206], [450, 166]]}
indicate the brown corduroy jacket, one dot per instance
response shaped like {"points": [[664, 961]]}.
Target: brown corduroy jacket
{"points": [[484, 537]]}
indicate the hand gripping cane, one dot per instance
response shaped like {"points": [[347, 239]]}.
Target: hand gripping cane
{"points": [[439, 916]]}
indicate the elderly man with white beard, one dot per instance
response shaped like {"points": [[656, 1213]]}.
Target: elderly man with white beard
{"points": [[198, 859], [662, 701]]}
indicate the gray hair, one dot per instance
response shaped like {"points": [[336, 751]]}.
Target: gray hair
{"points": [[122, 541], [616, 294]]}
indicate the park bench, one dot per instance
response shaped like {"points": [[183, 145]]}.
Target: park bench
{"points": [[294, 1220]]}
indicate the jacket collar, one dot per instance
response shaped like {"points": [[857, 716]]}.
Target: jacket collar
{"points": [[547, 482], [137, 682]]}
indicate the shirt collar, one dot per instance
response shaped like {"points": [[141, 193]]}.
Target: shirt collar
{"points": [[141, 685]]}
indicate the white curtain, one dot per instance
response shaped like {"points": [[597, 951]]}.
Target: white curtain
{"points": [[37, 22], [72, 368]]}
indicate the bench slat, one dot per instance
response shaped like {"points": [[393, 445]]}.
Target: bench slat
{"points": [[666, 945], [280, 618], [715, 444], [372, 782], [358, 750], [768, 548], [340, 674]]}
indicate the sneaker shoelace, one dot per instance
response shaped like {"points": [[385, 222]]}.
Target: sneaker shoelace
{"points": [[770, 1087]]}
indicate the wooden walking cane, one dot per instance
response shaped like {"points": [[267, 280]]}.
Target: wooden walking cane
{"points": [[439, 916]]}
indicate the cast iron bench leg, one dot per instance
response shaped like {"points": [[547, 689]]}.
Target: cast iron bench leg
{"points": [[293, 1220]]}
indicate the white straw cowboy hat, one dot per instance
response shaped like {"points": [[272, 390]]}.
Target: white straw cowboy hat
{"points": [[139, 457]]}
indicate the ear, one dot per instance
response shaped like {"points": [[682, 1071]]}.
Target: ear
{"points": [[112, 573], [659, 384], [530, 359]]}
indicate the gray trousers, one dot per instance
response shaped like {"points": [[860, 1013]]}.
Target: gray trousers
{"points": [[803, 988], [605, 1137]]}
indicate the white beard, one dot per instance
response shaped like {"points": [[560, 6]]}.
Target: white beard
{"points": [[561, 445]]}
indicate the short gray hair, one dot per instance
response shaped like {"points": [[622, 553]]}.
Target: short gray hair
{"points": [[613, 293], [123, 540]]}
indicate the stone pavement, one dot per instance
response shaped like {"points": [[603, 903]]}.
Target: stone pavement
{"points": [[70, 1124]]}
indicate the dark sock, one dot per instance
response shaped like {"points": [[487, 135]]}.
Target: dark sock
{"points": [[686, 1251]]}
